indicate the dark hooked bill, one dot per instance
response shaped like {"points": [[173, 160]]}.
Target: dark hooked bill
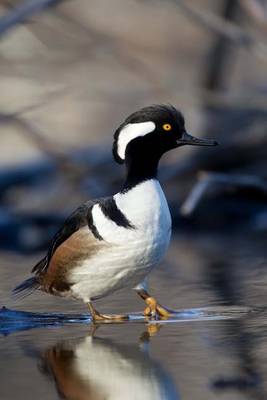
{"points": [[191, 140]]}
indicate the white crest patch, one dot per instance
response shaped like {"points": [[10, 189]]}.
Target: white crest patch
{"points": [[132, 131]]}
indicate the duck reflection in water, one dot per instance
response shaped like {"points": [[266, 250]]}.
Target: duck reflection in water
{"points": [[93, 368]]}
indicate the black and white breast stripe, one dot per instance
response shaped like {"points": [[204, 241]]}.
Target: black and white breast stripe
{"points": [[111, 211]]}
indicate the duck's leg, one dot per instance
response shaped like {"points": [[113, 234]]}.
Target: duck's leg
{"points": [[153, 309], [97, 317]]}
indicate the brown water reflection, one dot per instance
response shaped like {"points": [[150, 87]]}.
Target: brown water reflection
{"points": [[97, 368]]}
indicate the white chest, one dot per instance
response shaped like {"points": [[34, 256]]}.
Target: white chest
{"points": [[131, 252], [146, 208]]}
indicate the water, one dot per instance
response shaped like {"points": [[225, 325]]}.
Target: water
{"points": [[215, 347]]}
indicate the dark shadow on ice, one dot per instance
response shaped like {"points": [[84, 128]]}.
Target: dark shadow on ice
{"points": [[13, 320]]}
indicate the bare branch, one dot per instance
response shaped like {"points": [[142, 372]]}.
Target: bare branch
{"points": [[225, 28], [256, 10], [209, 180], [195, 197]]}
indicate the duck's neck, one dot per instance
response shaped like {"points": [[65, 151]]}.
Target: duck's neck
{"points": [[140, 170]]}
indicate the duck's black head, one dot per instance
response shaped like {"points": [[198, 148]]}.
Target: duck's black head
{"points": [[152, 131], [147, 134]]}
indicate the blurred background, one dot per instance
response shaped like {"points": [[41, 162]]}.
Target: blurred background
{"points": [[70, 72]]}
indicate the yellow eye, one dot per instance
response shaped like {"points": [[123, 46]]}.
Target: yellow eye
{"points": [[167, 127]]}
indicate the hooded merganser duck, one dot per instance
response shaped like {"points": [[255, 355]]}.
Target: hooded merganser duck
{"points": [[114, 242]]}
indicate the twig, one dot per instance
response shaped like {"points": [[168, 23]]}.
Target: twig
{"points": [[194, 197]]}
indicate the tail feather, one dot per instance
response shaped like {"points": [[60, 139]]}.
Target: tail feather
{"points": [[26, 287]]}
